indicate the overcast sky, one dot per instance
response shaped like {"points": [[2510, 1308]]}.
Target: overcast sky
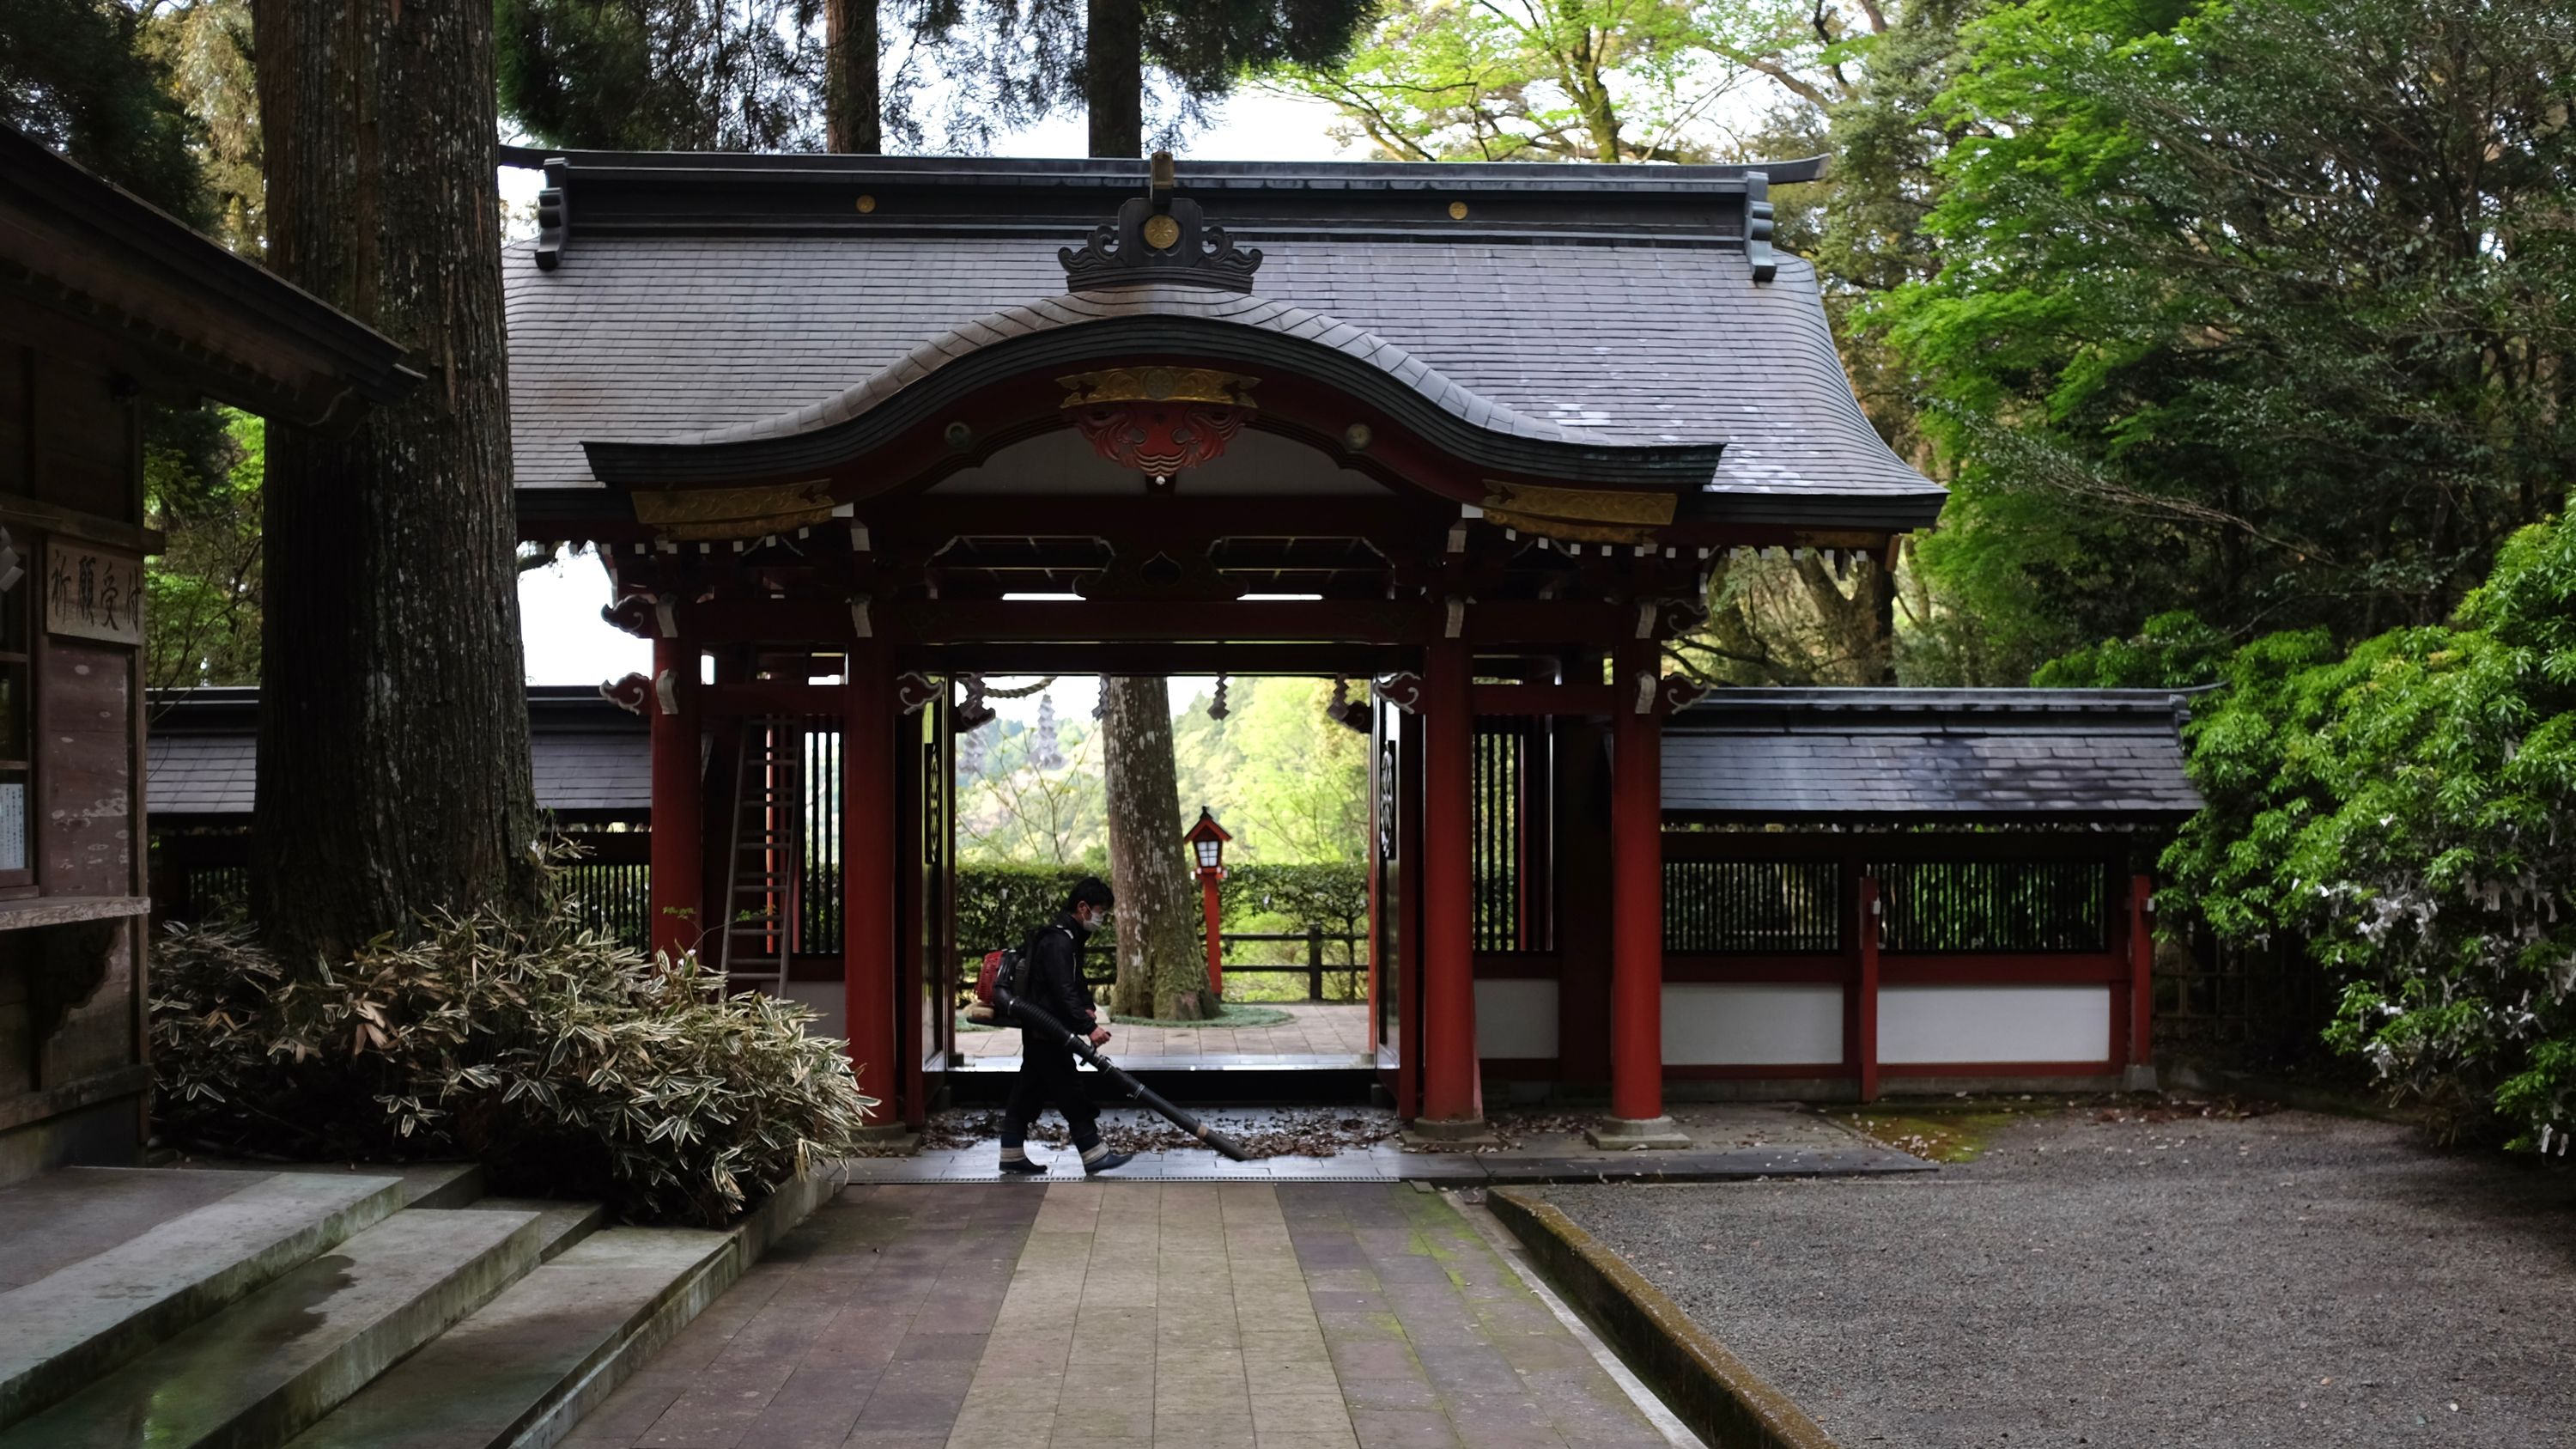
{"points": [[568, 643]]}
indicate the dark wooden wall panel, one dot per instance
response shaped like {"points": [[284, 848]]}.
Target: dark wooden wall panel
{"points": [[16, 363], [85, 798]]}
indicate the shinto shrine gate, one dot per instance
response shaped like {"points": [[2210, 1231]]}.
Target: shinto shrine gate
{"points": [[848, 428]]}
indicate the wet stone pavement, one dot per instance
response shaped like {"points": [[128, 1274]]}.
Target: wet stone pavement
{"points": [[1123, 1315]]}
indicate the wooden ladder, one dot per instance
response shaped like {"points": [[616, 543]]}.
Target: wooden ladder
{"points": [[768, 856]]}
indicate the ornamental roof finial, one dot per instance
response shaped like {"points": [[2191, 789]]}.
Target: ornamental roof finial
{"points": [[1161, 236]]}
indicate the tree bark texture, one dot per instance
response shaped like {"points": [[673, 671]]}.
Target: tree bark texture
{"points": [[1162, 957], [852, 109], [1113, 76], [393, 740]]}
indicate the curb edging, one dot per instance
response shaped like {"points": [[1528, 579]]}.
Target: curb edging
{"points": [[1717, 1394]]}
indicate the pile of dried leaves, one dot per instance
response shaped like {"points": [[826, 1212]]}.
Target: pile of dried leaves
{"points": [[1291, 1132], [2176, 1109]]}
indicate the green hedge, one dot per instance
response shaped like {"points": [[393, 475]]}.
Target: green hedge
{"points": [[998, 905]]}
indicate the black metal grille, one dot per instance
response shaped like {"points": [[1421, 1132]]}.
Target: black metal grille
{"points": [[818, 917], [1507, 848], [613, 898], [1992, 905], [1756, 906]]}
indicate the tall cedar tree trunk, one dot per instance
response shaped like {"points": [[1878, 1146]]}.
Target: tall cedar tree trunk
{"points": [[1162, 962], [852, 114], [393, 731]]}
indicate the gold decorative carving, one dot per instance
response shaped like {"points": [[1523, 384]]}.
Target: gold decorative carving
{"points": [[1583, 515], [714, 513], [1159, 384], [1161, 232]]}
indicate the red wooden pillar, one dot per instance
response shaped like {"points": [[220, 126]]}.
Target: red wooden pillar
{"points": [[1215, 938], [1449, 1084], [2142, 968], [868, 873], [1636, 900], [1868, 989], [678, 870]]}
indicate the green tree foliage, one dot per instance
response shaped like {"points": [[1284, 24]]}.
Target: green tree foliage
{"points": [[203, 49], [2407, 808], [73, 76], [202, 470], [1032, 803], [1563, 80], [663, 75], [1299, 791], [2261, 310], [1008, 63]]}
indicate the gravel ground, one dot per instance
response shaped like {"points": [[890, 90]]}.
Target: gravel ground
{"points": [[2290, 1280]]}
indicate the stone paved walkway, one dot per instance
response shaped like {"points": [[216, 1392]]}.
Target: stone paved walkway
{"points": [[1127, 1315], [1313, 1029]]}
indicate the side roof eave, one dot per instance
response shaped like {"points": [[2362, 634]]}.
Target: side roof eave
{"points": [[220, 325]]}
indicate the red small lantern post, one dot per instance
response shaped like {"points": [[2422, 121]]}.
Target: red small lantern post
{"points": [[1207, 843]]}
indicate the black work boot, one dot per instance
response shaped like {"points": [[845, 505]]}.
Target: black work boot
{"points": [[1104, 1161], [1016, 1161]]}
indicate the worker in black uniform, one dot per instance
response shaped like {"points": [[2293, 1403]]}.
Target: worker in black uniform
{"points": [[1052, 982]]}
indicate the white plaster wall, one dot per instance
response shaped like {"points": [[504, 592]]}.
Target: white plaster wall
{"points": [[825, 997], [1931, 1024], [1515, 1019], [1708, 1024]]}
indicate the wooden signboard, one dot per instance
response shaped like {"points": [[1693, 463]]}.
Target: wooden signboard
{"points": [[91, 592]]}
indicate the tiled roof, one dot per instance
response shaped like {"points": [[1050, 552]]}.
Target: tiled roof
{"points": [[2079, 756], [664, 332], [590, 757]]}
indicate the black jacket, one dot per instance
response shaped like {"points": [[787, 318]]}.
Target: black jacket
{"points": [[1054, 969]]}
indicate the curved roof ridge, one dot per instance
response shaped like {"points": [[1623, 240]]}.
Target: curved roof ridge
{"points": [[1074, 309]]}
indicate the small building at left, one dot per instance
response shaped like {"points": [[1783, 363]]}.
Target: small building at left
{"points": [[105, 303]]}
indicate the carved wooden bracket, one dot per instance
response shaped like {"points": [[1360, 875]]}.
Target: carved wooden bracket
{"points": [[643, 616], [1404, 691], [628, 694], [914, 692], [1679, 692]]}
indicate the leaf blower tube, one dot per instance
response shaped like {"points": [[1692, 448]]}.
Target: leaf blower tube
{"points": [[1032, 1019]]}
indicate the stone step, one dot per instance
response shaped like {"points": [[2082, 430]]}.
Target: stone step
{"points": [[526, 1366], [110, 1294], [259, 1372], [59, 1218]]}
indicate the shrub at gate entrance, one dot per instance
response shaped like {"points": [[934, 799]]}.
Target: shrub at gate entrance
{"points": [[566, 1063], [2407, 809]]}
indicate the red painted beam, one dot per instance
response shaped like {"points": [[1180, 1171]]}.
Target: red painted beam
{"points": [[2142, 968], [1543, 699], [1867, 997], [868, 875], [1636, 905], [678, 865], [769, 697], [1159, 621], [1449, 1085]]}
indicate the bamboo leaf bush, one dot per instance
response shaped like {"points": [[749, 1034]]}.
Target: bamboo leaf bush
{"points": [[566, 1063]]}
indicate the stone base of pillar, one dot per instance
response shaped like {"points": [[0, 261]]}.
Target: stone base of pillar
{"points": [[2139, 1078], [1427, 1134], [1620, 1134]]}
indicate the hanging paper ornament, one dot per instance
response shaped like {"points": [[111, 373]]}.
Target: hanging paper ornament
{"points": [[1217, 706]]}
